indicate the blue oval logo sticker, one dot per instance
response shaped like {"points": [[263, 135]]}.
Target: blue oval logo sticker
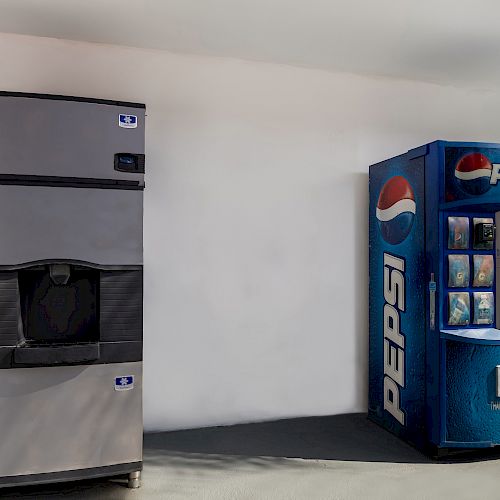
{"points": [[127, 121], [124, 383]]}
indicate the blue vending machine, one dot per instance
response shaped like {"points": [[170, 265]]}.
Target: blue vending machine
{"points": [[434, 368]]}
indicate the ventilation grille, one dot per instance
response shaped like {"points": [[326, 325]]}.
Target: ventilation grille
{"points": [[9, 310], [121, 306]]}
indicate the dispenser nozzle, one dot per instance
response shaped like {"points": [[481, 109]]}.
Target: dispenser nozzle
{"points": [[59, 273]]}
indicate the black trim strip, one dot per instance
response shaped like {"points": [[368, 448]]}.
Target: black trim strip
{"points": [[74, 182], [56, 97], [71, 475], [75, 262], [109, 353], [119, 352], [6, 356], [54, 355]]}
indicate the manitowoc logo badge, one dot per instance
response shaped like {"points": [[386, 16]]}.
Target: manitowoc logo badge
{"points": [[124, 383], [396, 209], [475, 173], [127, 121]]}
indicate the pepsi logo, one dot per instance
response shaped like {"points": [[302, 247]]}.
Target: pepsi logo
{"points": [[473, 173], [396, 210]]}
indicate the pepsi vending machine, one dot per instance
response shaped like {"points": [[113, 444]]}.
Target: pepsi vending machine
{"points": [[434, 368]]}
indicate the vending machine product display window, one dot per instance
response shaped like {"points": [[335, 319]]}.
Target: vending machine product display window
{"points": [[458, 233], [458, 271], [475, 254], [484, 271], [434, 298], [459, 308]]}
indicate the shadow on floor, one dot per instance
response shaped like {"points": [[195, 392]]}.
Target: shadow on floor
{"points": [[98, 489], [337, 437], [249, 448], [350, 437]]}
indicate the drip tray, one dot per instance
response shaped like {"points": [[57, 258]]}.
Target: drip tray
{"points": [[57, 354]]}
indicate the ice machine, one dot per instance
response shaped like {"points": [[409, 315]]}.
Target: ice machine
{"points": [[434, 367], [71, 288]]}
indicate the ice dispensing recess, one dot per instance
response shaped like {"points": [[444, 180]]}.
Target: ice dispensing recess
{"points": [[434, 298], [71, 288]]}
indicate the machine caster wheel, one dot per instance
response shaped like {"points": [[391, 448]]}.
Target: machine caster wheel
{"points": [[134, 479]]}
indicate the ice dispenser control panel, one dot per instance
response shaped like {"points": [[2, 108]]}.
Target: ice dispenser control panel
{"points": [[128, 162]]}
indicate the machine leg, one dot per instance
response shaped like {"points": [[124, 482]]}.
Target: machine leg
{"points": [[440, 453], [134, 479]]}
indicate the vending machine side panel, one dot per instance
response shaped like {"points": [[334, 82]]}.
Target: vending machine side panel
{"points": [[397, 295]]}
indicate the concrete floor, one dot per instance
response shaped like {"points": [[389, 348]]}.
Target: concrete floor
{"points": [[338, 457]]}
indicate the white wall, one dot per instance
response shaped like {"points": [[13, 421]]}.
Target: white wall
{"points": [[255, 217]]}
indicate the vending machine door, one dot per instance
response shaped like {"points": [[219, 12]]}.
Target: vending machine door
{"points": [[472, 396]]}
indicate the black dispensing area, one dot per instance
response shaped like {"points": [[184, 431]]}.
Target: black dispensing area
{"points": [[66, 313], [59, 315], [59, 304]]}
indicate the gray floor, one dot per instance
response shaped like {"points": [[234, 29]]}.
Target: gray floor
{"points": [[338, 457]]}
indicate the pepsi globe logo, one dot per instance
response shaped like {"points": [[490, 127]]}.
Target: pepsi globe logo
{"points": [[396, 209], [473, 173]]}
